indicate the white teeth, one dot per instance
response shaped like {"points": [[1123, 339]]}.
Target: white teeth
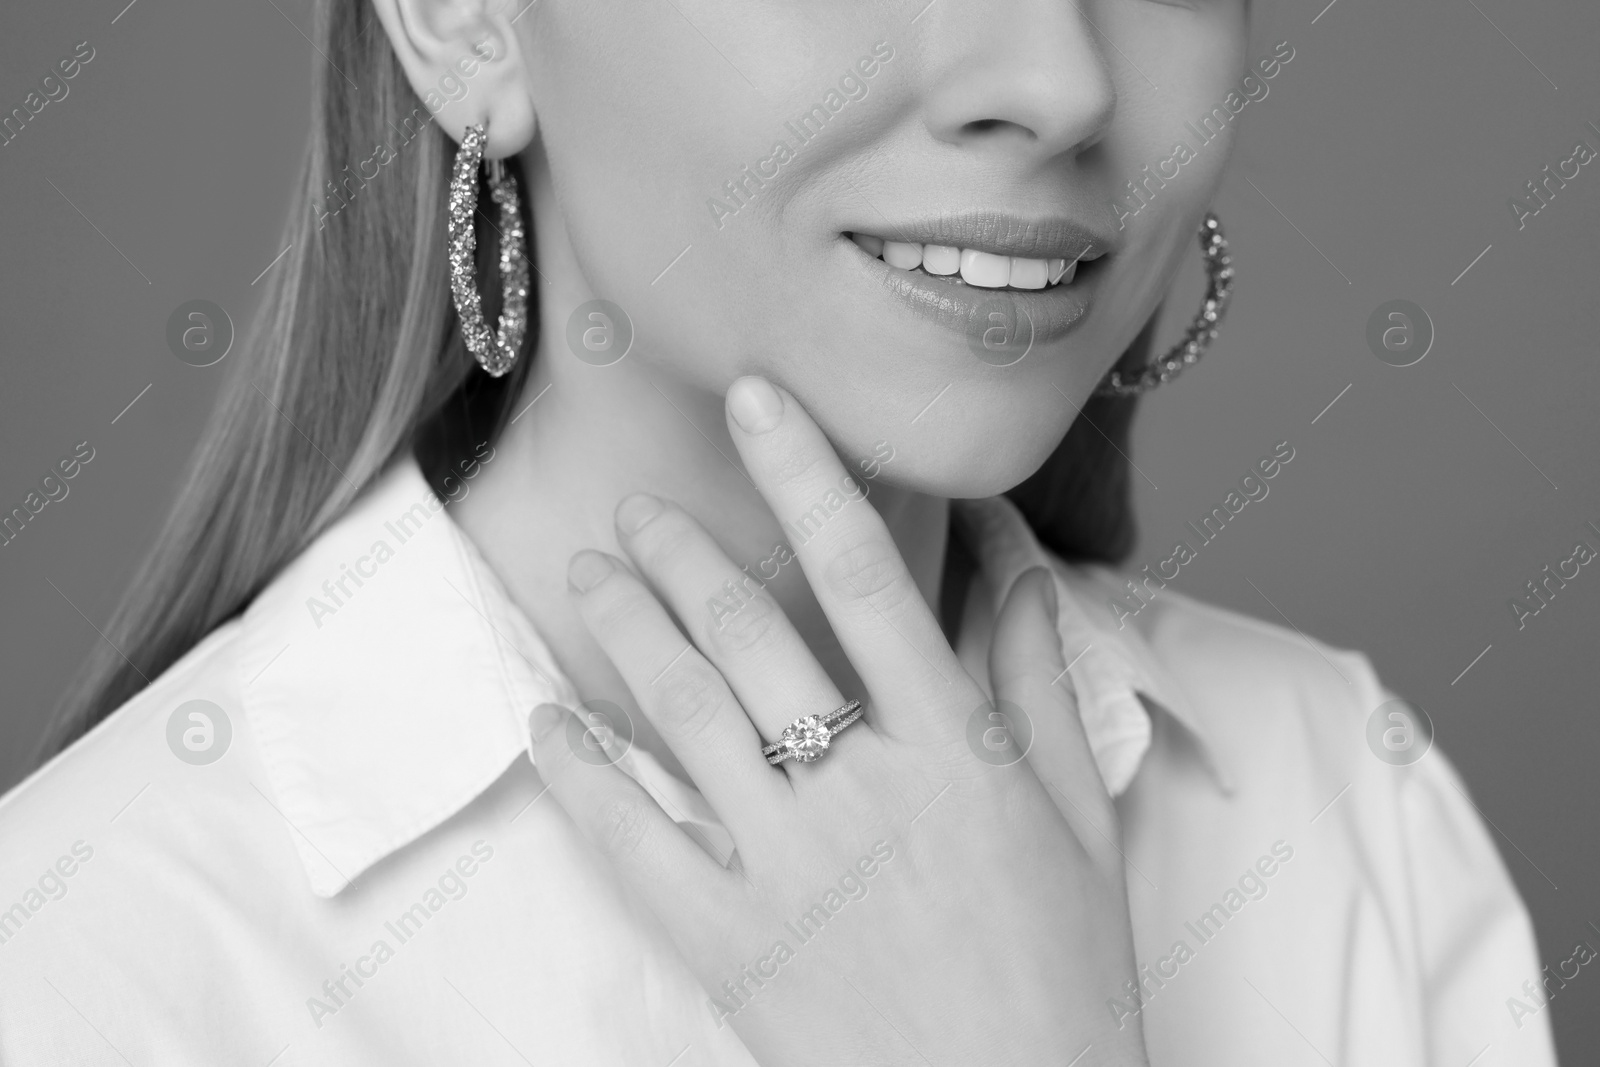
{"points": [[872, 246], [985, 269], [941, 259], [902, 255], [1028, 273]]}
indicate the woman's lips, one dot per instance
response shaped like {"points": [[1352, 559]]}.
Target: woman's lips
{"points": [[962, 290]]}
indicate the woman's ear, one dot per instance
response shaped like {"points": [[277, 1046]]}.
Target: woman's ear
{"points": [[467, 65]]}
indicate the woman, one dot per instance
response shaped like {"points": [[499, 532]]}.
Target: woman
{"points": [[294, 824]]}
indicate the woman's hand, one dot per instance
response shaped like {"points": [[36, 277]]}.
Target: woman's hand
{"points": [[905, 899]]}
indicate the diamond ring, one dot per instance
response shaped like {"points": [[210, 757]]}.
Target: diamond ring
{"points": [[806, 739]]}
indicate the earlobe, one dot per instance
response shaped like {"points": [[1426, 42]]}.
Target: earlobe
{"points": [[466, 64]]}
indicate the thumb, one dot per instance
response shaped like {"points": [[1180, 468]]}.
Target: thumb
{"points": [[1030, 680]]}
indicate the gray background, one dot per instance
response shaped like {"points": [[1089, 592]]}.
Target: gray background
{"points": [[1408, 518]]}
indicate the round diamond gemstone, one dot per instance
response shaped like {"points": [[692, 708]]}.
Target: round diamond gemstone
{"points": [[806, 738]]}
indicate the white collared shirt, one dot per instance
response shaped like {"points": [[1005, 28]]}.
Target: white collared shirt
{"points": [[367, 871]]}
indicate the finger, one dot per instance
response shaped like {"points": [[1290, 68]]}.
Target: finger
{"points": [[1030, 682], [684, 696], [853, 565], [621, 821], [728, 614]]}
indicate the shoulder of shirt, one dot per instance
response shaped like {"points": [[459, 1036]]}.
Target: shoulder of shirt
{"points": [[1294, 714], [1262, 691], [1220, 656], [131, 741]]}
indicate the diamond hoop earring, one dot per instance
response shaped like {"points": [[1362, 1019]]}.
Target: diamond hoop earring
{"points": [[1202, 331], [496, 351]]}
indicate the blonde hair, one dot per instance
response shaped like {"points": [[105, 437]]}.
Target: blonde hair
{"points": [[353, 352]]}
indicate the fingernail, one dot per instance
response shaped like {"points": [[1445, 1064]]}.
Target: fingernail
{"points": [[543, 719], [636, 510], [755, 404], [587, 570]]}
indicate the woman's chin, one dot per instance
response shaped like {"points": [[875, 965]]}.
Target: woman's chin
{"points": [[965, 470]]}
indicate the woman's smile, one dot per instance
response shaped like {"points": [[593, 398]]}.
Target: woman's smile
{"points": [[997, 279]]}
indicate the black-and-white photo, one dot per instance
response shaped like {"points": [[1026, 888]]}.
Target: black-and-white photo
{"points": [[799, 533]]}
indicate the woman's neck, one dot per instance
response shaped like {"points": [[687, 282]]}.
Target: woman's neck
{"points": [[586, 436], [595, 435]]}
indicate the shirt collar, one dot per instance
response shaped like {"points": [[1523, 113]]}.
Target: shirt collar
{"points": [[1115, 672], [383, 672], [387, 676]]}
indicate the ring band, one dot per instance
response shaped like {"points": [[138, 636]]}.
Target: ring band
{"points": [[807, 738]]}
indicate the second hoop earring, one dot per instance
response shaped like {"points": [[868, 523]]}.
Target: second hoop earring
{"points": [[1202, 331], [495, 350]]}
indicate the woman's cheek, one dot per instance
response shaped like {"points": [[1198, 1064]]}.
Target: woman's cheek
{"points": [[633, 202]]}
